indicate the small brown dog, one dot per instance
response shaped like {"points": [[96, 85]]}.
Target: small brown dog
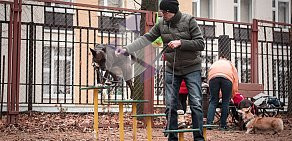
{"points": [[261, 123]]}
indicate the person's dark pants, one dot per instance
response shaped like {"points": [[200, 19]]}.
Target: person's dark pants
{"points": [[193, 83], [215, 85], [182, 102]]}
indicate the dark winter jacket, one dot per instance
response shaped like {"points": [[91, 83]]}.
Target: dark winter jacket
{"points": [[181, 27]]}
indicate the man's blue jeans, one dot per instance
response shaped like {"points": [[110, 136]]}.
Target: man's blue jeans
{"points": [[193, 83], [215, 85]]}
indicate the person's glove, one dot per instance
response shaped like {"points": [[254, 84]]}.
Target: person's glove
{"points": [[119, 51]]}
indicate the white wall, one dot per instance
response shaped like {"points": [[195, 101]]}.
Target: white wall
{"points": [[262, 9], [224, 9]]}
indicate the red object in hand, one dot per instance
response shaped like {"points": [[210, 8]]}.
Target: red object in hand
{"points": [[183, 88]]}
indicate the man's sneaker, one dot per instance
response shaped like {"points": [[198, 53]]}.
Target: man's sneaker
{"points": [[182, 125], [181, 119], [224, 128]]}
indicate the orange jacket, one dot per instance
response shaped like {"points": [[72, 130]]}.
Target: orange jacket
{"points": [[226, 69]]}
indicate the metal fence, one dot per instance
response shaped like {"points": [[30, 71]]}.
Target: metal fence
{"points": [[56, 61], [261, 46], [274, 58], [55, 41]]}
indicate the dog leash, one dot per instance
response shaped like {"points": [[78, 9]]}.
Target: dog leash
{"points": [[140, 61], [143, 63]]}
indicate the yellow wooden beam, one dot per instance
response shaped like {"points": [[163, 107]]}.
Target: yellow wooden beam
{"points": [[205, 133], [95, 97], [121, 119], [181, 136], [149, 128], [134, 112]]}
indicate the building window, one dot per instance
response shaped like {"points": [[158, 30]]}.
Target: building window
{"points": [[280, 11], [111, 22], [202, 8], [111, 3], [236, 10], [58, 16], [57, 70], [274, 10], [246, 10], [274, 16], [195, 8], [283, 12]]}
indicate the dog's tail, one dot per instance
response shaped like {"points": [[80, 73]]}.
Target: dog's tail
{"points": [[278, 124]]}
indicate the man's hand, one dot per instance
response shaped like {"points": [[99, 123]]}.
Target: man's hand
{"points": [[119, 51], [174, 44]]}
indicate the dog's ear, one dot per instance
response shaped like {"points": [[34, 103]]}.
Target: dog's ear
{"points": [[104, 49], [97, 44], [93, 52]]}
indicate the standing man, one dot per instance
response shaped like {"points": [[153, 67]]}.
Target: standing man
{"points": [[184, 41]]}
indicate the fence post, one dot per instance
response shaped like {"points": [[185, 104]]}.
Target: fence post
{"points": [[254, 52], [289, 110], [30, 66], [14, 46]]}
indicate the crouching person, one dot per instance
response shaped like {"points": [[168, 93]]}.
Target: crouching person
{"points": [[222, 77]]}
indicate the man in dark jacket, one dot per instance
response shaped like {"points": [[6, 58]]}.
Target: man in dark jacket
{"points": [[184, 40]]}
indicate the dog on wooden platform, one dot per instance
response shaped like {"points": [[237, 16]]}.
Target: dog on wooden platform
{"points": [[117, 67], [254, 123]]}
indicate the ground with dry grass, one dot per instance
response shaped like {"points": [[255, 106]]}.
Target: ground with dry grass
{"points": [[65, 126]]}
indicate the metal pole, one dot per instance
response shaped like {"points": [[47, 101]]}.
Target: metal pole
{"points": [[13, 96], [30, 65], [2, 92], [254, 52], [289, 109], [9, 64]]}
